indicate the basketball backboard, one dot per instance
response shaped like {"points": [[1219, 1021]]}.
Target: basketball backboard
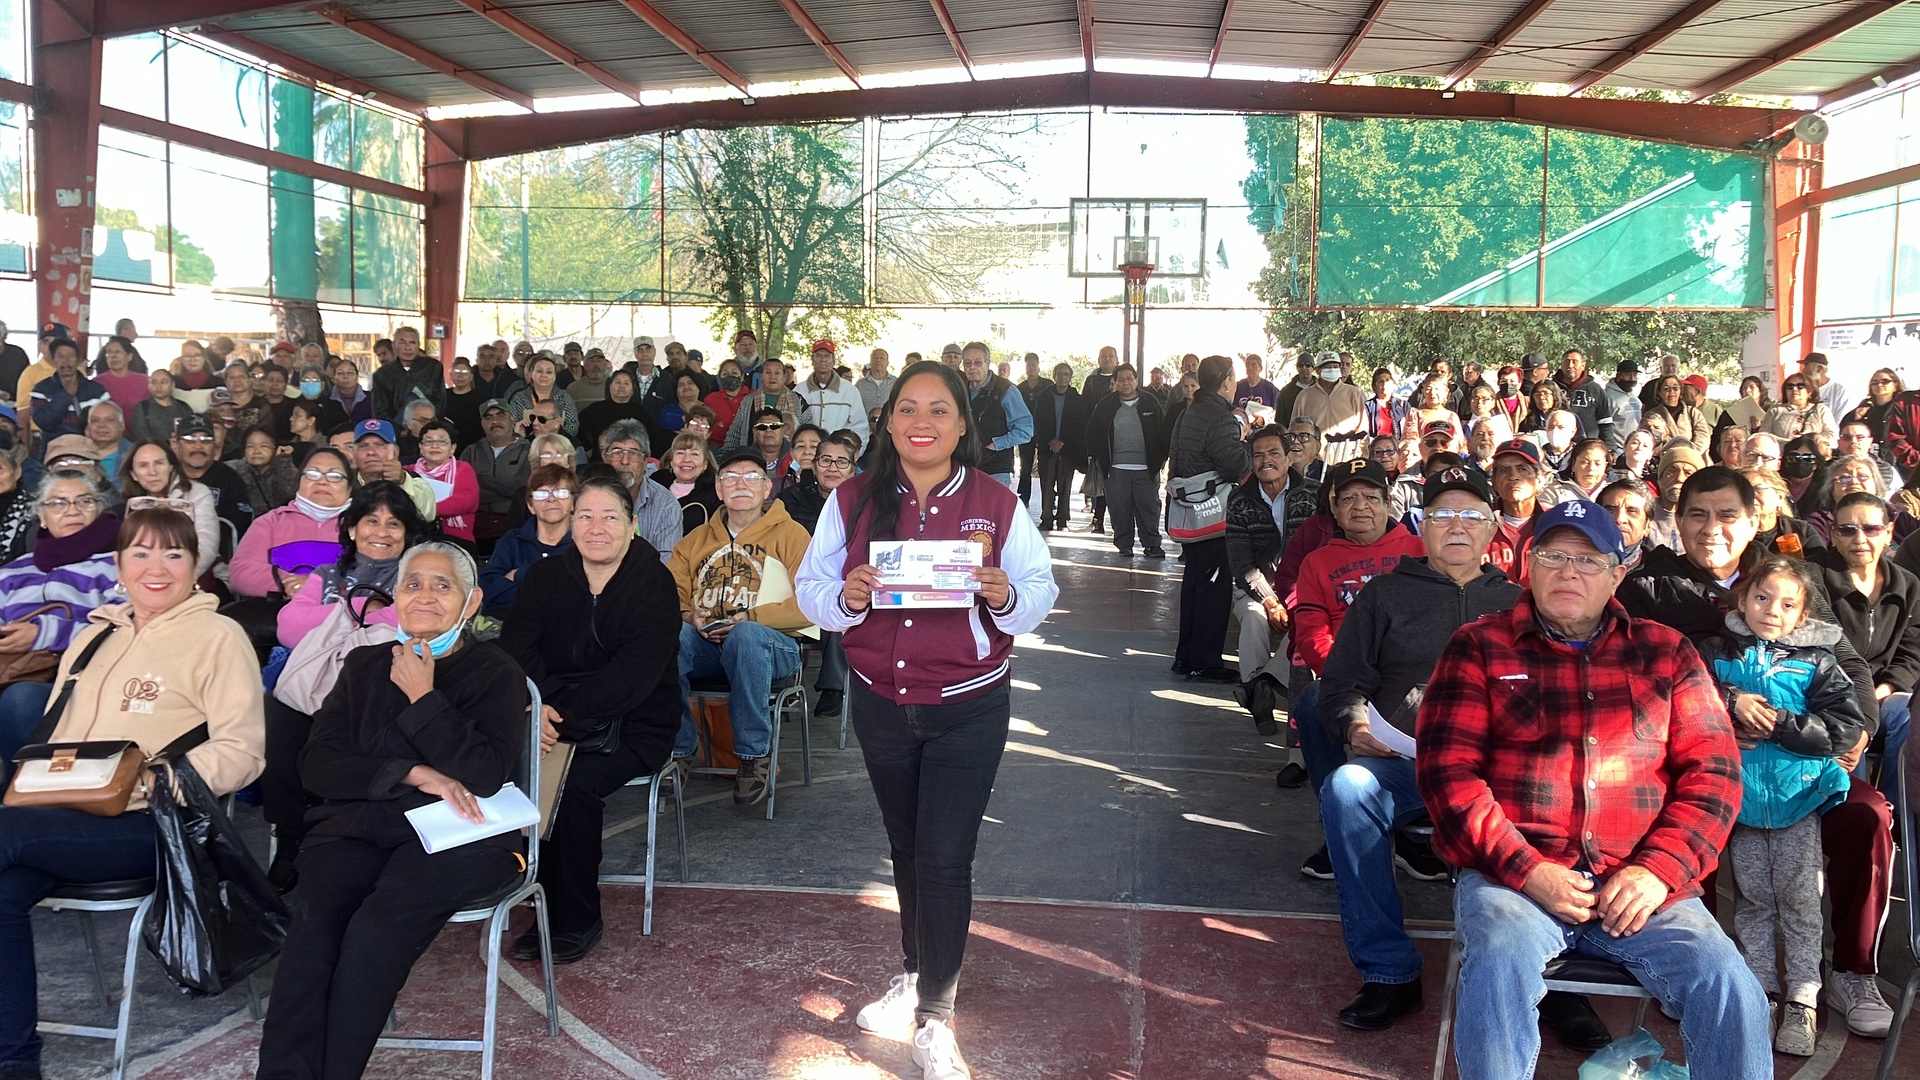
{"points": [[1106, 234]]}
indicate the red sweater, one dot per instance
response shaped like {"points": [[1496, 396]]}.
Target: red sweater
{"points": [[1330, 577]]}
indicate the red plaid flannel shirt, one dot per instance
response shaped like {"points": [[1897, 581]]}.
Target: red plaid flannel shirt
{"points": [[1619, 754]]}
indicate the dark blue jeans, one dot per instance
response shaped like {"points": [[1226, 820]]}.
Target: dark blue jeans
{"points": [[1317, 745], [932, 769], [21, 706], [39, 850]]}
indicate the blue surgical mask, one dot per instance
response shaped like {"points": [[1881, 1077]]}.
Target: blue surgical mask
{"points": [[311, 390], [439, 646]]}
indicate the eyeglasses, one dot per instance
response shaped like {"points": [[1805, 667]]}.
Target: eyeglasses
{"points": [[832, 462], [555, 455], [1803, 457], [1385, 454], [622, 453], [1879, 382], [1442, 516], [61, 506], [1584, 565], [436, 442], [155, 502], [329, 476], [1436, 441], [769, 427], [195, 438], [550, 494], [741, 477], [1851, 531], [1792, 386]]}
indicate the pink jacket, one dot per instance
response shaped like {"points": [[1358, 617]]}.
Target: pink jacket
{"points": [[307, 610], [251, 568]]}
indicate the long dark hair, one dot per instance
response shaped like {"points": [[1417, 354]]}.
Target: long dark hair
{"points": [[130, 488], [879, 498], [377, 495]]}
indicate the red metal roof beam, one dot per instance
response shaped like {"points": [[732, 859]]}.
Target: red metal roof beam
{"points": [[1792, 50], [1219, 36], [1085, 11], [1643, 44], [306, 69], [1360, 32], [425, 57], [666, 28], [953, 35], [519, 28], [1491, 47], [820, 38]]}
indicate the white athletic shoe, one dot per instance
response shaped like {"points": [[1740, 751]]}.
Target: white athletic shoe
{"points": [[937, 1054], [1858, 999], [1796, 1035], [893, 1013]]}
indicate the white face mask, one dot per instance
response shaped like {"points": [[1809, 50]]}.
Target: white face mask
{"points": [[1330, 374]]}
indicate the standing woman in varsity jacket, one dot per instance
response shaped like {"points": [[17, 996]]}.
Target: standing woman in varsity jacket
{"points": [[930, 697]]}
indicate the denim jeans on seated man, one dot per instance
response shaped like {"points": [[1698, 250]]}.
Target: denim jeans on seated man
{"points": [[1361, 806], [21, 707], [1896, 717], [1681, 956], [1317, 747], [750, 657]]}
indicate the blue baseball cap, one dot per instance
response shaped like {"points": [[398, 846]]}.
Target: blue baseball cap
{"points": [[1591, 520], [7, 411], [374, 427]]}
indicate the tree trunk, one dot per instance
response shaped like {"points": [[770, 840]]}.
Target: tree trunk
{"points": [[298, 321]]}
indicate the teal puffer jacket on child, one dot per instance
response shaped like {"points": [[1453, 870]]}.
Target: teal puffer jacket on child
{"points": [[1793, 773]]}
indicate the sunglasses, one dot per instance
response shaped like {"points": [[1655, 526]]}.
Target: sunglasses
{"points": [[769, 427], [1851, 531]]}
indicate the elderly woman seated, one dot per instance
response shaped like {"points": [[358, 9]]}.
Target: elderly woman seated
{"points": [[434, 716], [180, 650], [548, 531]]}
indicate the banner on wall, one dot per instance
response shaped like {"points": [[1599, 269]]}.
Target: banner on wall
{"points": [[1855, 349]]}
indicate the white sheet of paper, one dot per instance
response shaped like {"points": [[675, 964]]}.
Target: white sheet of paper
{"points": [[1389, 736], [440, 488], [439, 828]]}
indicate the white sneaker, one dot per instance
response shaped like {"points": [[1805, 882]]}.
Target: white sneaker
{"points": [[1796, 1035], [937, 1054], [893, 1013], [1858, 999]]}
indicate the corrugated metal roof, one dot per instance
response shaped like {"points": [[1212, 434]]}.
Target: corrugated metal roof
{"points": [[759, 39]]}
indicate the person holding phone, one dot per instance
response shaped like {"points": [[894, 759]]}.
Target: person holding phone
{"points": [[931, 704]]}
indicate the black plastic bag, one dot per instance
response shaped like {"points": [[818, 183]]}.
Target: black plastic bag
{"points": [[214, 918]]}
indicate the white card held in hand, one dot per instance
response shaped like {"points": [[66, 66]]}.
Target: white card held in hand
{"points": [[926, 573], [440, 827], [1388, 736]]}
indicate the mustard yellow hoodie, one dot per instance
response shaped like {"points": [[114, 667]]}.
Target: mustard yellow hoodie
{"points": [[719, 574], [188, 666]]}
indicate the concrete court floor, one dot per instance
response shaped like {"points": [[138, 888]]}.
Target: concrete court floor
{"points": [[1122, 787]]}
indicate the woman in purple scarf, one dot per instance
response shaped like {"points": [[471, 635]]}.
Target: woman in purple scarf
{"points": [[45, 595]]}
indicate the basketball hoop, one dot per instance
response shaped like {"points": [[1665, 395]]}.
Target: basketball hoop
{"points": [[1136, 278], [1137, 228]]}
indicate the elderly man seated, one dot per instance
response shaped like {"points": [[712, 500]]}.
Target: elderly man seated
{"points": [[735, 575], [1582, 773]]}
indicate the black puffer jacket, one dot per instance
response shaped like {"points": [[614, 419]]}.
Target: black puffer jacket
{"points": [[1886, 630], [1392, 637], [1254, 543], [1668, 589], [1207, 439]]}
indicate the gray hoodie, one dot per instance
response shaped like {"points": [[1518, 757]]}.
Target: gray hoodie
{"points": [[1392, 637]]}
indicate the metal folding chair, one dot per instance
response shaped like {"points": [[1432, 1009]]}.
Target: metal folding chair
{"points": [[495, 914], [789, 695], [652, 784], [1569, 972], [87, 900], [1910, 828]]}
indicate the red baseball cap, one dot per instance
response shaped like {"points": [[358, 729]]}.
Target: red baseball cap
{"points": [[822, 344], [1698, 382], [283, 346]]}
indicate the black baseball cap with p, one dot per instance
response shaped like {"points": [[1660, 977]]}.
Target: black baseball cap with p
{"points": [[1357, 470]]}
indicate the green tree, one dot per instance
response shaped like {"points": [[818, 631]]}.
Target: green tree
{"points": [[191, 264]]}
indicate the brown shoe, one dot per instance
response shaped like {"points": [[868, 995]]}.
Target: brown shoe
{"points": [[751, 784]]}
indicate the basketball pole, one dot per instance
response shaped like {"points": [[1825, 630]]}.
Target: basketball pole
{"points": [[1133, 335]]}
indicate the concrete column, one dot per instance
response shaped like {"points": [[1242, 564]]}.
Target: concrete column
{"points": [[445, 236], [66, 128]]}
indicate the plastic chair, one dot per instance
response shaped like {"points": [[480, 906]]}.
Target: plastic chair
{"points": [[789, 694], [652, 783], [87, 900], [1910, 828], [495, 914]]}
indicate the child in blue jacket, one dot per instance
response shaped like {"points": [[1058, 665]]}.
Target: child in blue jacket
{"points": [[1776, 666]]}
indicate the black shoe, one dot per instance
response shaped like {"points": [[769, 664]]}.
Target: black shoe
{"points": [[1418, 860], [1573, 1020], [1127, 551], [1378, 1005], [1319, 865], [567, 948], [283, 874], [1156, 553], [1179, 668], [19, 1072], [1260, 703], [830, 703], [1291, 775], [1213, 674]]}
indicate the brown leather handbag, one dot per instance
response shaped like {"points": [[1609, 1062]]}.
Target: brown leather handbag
{"points": [[33, 665], [97, 777]]}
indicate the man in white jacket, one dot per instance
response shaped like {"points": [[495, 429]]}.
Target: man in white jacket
{"points": [[831, 401]]}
